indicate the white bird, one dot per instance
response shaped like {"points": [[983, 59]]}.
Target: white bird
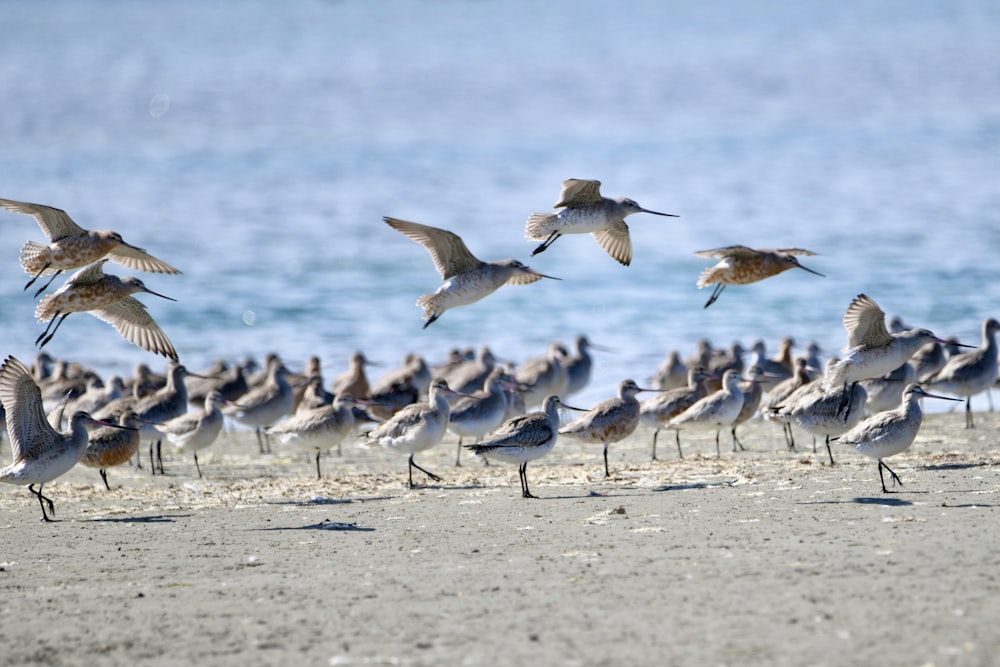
{"points": [[467, 278], [318, 429], [544, 376], [266, 403], [609, 421], [480, 413], [716, 411], [418, 426], [892, 432], [824, 414], [40, 453], [196, 430], [970, 373], [525, 438], [660, 409], [586, 211]]}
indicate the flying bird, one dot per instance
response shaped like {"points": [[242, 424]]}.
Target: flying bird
{"points": [[740, 265]]}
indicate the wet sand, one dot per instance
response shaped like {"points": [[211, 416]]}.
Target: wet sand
{"points": [[761, 557]]}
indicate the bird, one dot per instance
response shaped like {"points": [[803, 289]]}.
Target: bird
{"points": [[40, 453], [716, 411], [266, 403], [660, 409], [72, 246], [196, 430], [781, 393], [753, 390], [417, 427], [969, 373], [825, 414], [318, 429], [609, 421], [467, 278], [544, 376], [586, 211], [578, 366], [110, 446], [482, 411], [107, 298], [354, 381], [524, 438], [891, 432], [672, 373], [871, 350], [740, 265]]}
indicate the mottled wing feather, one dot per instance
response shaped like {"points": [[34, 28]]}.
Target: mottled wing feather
{"points": [[450, 254], [400, 423], [88, 275], [183, 424], [129, 317], [520, 278], [865, 324], [872, 429], [137, 259], [737, 251], [791, 251], [616, 242], [579, 192], [53, 221], [29, 430]]}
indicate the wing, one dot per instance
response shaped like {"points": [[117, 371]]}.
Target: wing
{"points": [[183, 424], [736, 251], [792, 251], [448, 250], [140, 260], [521, 278], [53, 221], [579, 192], [29, 429], [88, 275], [129, 317], [616, 242], [865, 323]]}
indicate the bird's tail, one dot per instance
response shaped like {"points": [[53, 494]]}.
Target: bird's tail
{"points": [[540, 226], [45, 310], [432, 310], [34, 258]]}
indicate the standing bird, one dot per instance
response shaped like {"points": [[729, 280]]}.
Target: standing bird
{"points": [[112, 446], [417, 427], [467, 278], [609, 421], [970, 373], [72, 246], [266, 403], [578, 366], [196, 430], [40, 452], [892, 432], [826, 414], [666, 405], [525, 438], [585, 211], [107, 298], [481, 412], [716, 411], [740, 265], [354, 381], [318, 429], [871, 350], [544, 376]]}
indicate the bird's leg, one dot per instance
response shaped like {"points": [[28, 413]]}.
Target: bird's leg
{"points": [[104, 476], [152, 463], [829, 451], [458, 453], [656, 433], [968, 413], [525, 493], [607, 473], [736, 442], [318, 475], [546, 243], [718, 454], [845, 402], [159, 455], [38, 275], [715, 294], [44, 287], [196, 466], [430, 320], [413, 464], [789, 437], [42, 500], [260, 440], [43, 339], [893, 476], [680, 454]]}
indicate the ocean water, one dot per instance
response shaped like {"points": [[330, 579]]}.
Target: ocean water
{"points": [[257, 146]]}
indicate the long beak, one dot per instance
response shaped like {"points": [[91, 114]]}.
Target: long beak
{"points": [[666, 215], [955, 343], [536, 273], [816, 273], [101, 422], [570, 407], [947, 398], [162, 296]]}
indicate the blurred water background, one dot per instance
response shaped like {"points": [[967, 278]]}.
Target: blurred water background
{"points": [[256, 146]]}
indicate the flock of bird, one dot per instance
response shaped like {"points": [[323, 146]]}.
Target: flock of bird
{"points": [[869, 398]]}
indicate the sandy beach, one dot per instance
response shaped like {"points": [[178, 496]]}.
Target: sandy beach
{"points": [[761, 557]]}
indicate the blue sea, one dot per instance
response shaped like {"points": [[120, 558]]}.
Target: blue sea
{"points": [[257, 145]]}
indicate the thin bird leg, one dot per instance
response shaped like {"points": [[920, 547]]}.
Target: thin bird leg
{"points": [[458, 453], [318, 474], [196, 466], [895, 478], [607, 473], [736, 442], [829, 451], [38, 275], [429, 321], [413, 464], [260, 441], [968, 413], [46, 286], [525, 493], [42, 500], [104, 476], [546, 243], [49, 326], [152, 462], [715, 294], [656, 433], [680, 454], [159, 455], [718, 454]]}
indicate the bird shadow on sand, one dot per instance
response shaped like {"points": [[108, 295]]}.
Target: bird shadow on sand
{"points": [[694, 485], [156, 518], [325, 524], [953, 466]]}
